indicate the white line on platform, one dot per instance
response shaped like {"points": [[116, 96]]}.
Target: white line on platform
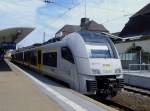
{"points": [[75, 106]]}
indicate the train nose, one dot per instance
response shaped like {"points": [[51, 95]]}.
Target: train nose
{"points": [[106, 66]]}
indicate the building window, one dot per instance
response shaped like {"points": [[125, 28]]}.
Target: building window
{"points": [[66, 54], [50, 59]]}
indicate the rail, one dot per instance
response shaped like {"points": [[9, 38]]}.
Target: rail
{"points": [[111, 103], [142, 91]]}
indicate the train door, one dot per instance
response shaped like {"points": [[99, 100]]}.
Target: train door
{"points": [[69, 67], [39, 59]]}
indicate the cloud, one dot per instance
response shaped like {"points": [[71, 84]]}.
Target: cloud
{"points": [[111, 13], [49, 18]]}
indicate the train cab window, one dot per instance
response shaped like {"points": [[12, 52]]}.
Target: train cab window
{"points": [[90, 37], [66, 54], [101, 39], [50, 59]]}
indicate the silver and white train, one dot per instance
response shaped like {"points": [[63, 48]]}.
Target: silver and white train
{"points": [[87, 61]]}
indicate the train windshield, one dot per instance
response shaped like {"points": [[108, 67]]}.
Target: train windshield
{"points": [[90, 37], [99, 51], [100, 54], [98, 45]]}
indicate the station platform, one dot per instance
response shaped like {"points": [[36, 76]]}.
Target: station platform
{"points": [[18, 92], [137, 78]]}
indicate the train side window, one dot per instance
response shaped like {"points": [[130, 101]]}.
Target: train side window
{"points": [[66, 54], [33, 58], [50, 59], [26, 56]]}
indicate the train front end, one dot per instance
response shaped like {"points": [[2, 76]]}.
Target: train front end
{"points": [[104, 76]]}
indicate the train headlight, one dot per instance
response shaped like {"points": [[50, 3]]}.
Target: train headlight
{"points": [[119, 76], [118, 71], [96, 71]]}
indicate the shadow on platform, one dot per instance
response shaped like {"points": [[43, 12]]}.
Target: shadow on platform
{"points": [[4, 66], [44, 78]]}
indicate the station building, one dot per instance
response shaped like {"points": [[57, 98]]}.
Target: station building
{"points": [[134, 47]]}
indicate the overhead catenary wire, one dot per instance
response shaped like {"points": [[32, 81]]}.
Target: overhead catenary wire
{"points": [[63, 14], [117, 18], [85, 8], [69, 9], [84, 2], [85, 11]]}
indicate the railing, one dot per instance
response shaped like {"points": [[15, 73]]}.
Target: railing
{"points": [[139, 68], [135, 60]]}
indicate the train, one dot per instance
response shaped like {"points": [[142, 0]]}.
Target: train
{"points": [[87, 61]]}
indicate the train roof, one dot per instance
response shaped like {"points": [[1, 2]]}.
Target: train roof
{"points": [[54, 40]]}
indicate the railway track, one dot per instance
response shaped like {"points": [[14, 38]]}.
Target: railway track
{"points": [[119, 104], [144, 92], [115, 105], [112, 104]]}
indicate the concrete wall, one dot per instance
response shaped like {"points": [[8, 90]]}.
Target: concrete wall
{"points": [[122, 47], [138, 79]]}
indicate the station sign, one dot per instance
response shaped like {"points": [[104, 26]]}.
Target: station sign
{"points": [[8, 45]]}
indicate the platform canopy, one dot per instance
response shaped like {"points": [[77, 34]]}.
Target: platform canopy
{"points": [[11, 36]]}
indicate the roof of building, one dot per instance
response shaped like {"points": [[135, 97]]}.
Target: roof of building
{"points": [[90, 26], [69, 28], [139, 23], [14, 35], [143, 11], [116, 33], [94, 26]]}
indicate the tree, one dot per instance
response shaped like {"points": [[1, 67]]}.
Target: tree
{"points": [[134, 49]]}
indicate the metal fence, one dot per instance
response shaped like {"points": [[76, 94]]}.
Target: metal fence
{"points": [[135, 61], [139, 67]]}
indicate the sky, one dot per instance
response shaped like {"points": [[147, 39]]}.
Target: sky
{"points": [[49, 18]]}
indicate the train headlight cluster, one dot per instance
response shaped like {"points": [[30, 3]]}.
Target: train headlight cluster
{"points": [[118, 71], [96, 71]]}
